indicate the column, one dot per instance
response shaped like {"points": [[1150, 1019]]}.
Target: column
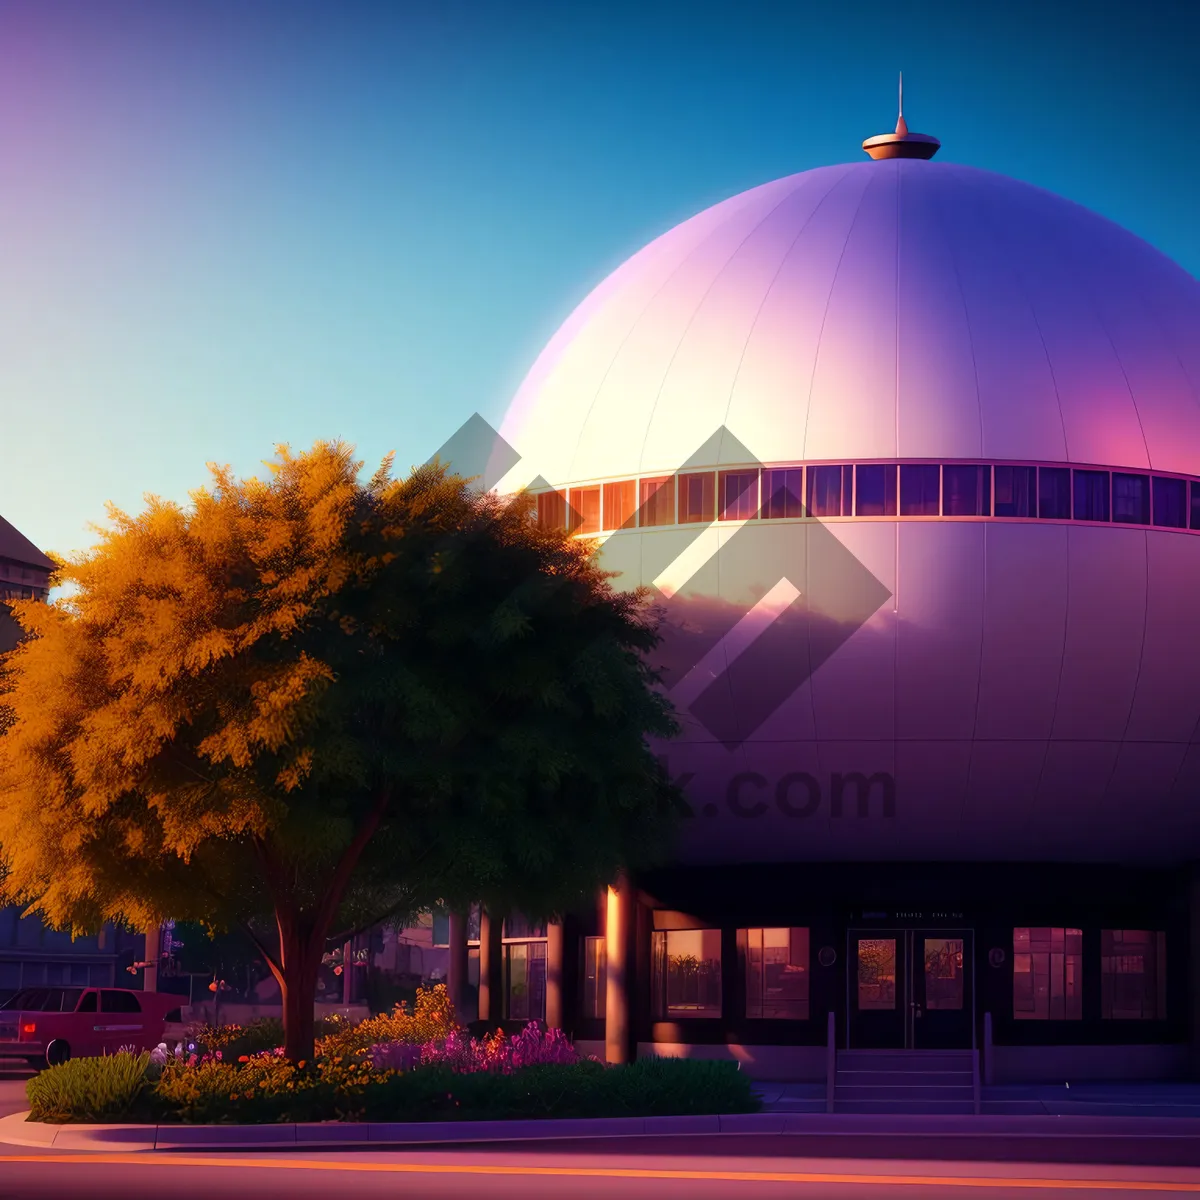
{"points": [[456, 972], [1194, 968], [152, 950], [347, 973], [491, 1002], [554, 975], [618, 937]]}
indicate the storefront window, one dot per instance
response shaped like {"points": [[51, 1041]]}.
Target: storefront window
{"points": [[525, 981], [776, 973], [687, 973], [1047, 974], [1133, 975]]}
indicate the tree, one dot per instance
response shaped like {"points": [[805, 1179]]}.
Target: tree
{"points": [[324, 703]]}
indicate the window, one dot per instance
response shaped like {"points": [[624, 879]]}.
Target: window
{"points": [[966, 490], [686, 973], [518, 926], [876, 974], [825, 491], [776, 973], [696, 498], [1170, 502], [594, 979], [1195, 505], [658, 501], [45, 1000], [1091, 495], [1131, 499], [88, 1003], [1016, 491], [1133, 975], [440, 931], [875, 490], [920, 489], [620, 504], [119, 1002], [1048, 974], [552, 510], [783, 493], [1054, 493], [584, 516], [738, 492], [525, 981]]}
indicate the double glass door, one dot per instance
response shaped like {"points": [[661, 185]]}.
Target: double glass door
{"points": [[910, 989]]}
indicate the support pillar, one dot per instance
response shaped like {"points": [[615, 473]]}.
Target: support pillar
{"points": [[347, 974], [618, 938], [456, 971], [152, 951], [491, 976], [1194, 968], [554, 975]]}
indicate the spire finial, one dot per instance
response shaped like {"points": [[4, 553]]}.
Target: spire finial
{"points": [[901, 144]]}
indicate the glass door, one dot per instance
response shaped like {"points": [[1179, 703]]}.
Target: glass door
{"points": [[941, 1002], [876, 980]]}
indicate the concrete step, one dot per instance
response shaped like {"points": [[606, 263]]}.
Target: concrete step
{"points": [[907, 1107], [908, 1093], [903, 1078], [905, 1060]]}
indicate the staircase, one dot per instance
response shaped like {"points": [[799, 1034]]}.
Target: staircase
{"points": [[904, 1081]]}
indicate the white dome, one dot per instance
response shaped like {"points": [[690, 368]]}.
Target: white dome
{"points": [[896, 309], [1031, 686]]}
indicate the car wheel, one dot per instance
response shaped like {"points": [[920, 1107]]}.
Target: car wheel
{"points": [[57, 1052]]}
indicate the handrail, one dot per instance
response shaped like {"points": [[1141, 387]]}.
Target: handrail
{"points": [[988, 1065], [830, 1060], [976, 1090]]}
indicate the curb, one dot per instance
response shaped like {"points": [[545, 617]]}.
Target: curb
{"points": [[19, 1131]]}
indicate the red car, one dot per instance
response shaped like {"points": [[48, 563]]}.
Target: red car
{"points": [[47, 1025]]}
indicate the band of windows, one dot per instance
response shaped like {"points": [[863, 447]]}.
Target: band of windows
{"points": [[1005, 490]]}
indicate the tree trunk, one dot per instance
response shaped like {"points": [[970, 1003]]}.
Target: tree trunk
{"points": [[301, 967]]}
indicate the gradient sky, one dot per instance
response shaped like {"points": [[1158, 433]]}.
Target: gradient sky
{"points": [[230, 223]]}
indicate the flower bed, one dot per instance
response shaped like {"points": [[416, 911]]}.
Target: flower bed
{"points": [[404, 1066]]}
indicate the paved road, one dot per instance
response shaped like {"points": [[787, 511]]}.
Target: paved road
{"points": [[641, 1170]]}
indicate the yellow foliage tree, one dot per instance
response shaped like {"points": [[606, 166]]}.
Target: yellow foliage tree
{"points": [[305, 703]]}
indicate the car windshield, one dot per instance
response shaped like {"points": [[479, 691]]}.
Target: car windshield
{"points": [[44, 1000]]}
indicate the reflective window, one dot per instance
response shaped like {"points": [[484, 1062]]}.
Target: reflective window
{"points": [[552, 510], [657, 501], [1091, 495], [875, 490], [1048, 974], [45, 1000], [738, 493], [825, 491], [1016, 491], [783, 494], [584, 515], [1195, 505], [686, 966], [594, 982], [518, 926], [525, 981], [620, 504], [920, 489], [119, 1002], [776, 973], [966, 490], [1054, 493], [696, 498], [1170, 502], [1133, 975], [876, 974], [943, 973], [1131, 499]]}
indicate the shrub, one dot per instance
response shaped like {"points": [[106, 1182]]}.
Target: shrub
{"points": [[432, 1019], [531, 1047], [109, 1088]]}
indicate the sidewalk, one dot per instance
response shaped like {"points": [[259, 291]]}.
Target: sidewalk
{"points": [[16, 1130]]}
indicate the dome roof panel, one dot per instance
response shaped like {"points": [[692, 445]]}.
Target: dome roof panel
{"points": [[897, 307]]}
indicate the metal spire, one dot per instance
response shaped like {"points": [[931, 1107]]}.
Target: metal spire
{"points": [[901, 144]]}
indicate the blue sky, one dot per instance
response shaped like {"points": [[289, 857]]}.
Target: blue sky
{"points": [[233, 223]]}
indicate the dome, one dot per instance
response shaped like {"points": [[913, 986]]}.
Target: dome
{"points": [[891, 309], [1026, 681]]}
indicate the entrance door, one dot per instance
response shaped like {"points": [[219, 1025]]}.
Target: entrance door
{"points": [[910, 989]]}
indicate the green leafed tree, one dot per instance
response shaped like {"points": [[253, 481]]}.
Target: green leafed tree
{"points": [[303, 703]]}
